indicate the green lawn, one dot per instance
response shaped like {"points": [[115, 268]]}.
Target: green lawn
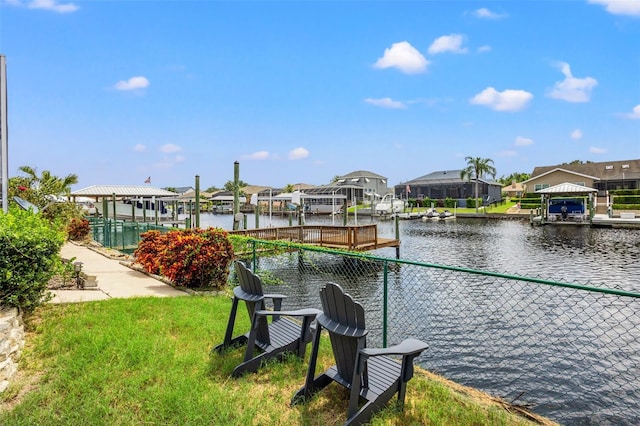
{"points": [[147, 361]]}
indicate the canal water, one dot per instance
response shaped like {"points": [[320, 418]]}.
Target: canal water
{"points": [[577, 254], [555, 345]]}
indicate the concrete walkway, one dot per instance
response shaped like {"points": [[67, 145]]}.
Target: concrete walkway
{"points": [[114, 279]]}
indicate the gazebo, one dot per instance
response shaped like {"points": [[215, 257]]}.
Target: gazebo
{"points": [[568, 201]]}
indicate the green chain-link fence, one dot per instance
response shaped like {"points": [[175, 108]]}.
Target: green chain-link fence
{"points": [[121, 235], [568, 351]]}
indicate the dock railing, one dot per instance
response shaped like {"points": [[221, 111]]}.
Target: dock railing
{"points": [[569, 351]]}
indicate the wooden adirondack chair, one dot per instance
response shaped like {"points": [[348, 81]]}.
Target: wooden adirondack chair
{"points": [[273, 339], [371, 375]]}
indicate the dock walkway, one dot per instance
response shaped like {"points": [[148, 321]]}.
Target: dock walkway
{"points": [[357, 238]]}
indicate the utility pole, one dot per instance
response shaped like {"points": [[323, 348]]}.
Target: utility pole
{"points": [[4, 145]]}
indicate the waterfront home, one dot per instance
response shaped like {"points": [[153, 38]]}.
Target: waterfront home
{"points": [[603, 176], [448, 184]]}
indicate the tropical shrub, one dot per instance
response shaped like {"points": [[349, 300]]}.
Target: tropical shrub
{"points": [[472, 203], [449, 203], [192, 258], [149, 250], [78, 229], [29, 256]]}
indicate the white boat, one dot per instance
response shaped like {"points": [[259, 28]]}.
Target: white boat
{"points": [[446, 215], [390, 205], [133, 209], [431, 214]]}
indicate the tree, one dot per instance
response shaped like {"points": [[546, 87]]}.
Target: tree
{"points": [[516, 176], [288, 188], [43, 190], [229, 185], [477, 168], [48, 184]]}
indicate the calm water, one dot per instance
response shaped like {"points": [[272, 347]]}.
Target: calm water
{"points": [[600, 257], [574, 355]]}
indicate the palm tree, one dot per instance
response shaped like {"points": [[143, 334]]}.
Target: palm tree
{"points": [[46, 184], [477, 167], [289, 188]]}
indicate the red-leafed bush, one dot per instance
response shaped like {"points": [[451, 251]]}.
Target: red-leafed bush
{"points": [[78, 229], [192, 258], [149, 251]]}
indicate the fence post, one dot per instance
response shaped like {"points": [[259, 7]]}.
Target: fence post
{"points": [[255, 256], [384, 303]]}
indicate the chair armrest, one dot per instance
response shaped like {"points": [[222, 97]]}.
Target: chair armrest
{"points": [[406, 347], [276, 299], [309, 312], [409, 349], [275, 296]]}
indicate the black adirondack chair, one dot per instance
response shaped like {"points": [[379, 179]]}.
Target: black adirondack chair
{"points": [[265, 340], [372, 375]]}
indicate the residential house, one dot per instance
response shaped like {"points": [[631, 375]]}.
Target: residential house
{"points": [[603, 176], [449, 184]]}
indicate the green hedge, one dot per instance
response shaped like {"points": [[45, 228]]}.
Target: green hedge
{"points": [[29, 254], [624, 192], [626, 199], [626, 206]]}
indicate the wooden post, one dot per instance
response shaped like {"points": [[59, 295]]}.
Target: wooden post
{"points": [[197, 201], [236, 193], [345, 212], [257, 213]]}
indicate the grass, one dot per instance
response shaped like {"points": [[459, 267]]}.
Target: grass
{"points": [[147, 361]]}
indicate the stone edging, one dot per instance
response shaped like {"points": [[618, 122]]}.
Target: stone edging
{"points": [[11, 344]]}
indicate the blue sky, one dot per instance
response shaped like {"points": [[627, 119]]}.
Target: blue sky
{"points": [[302, 91]]}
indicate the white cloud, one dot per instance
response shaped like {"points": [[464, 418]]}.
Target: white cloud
{"points": [[404, 57], [139, 148], [132, 84], [449, 43], [298, 153], [596, 150], [169, 148], [620, 7], [635, 114], [507, 100], [258, 155], [52, 5], [485, 48], [522, 141], [572, 89], [484, 13], [386, 103], [576, 134]]}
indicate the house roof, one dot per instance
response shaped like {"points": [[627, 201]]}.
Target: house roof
{"points": [[227, 196], [515, 186], [362, 174], [254, 189], [443, 177], [566, 188], [559, 169], [604, 170], [123, 191]]}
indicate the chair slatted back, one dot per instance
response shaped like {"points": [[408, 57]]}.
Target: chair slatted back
{"points": [[251, 284], [341, 308]]}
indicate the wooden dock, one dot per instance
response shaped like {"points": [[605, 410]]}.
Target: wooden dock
{"points": [[357, 238]]}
